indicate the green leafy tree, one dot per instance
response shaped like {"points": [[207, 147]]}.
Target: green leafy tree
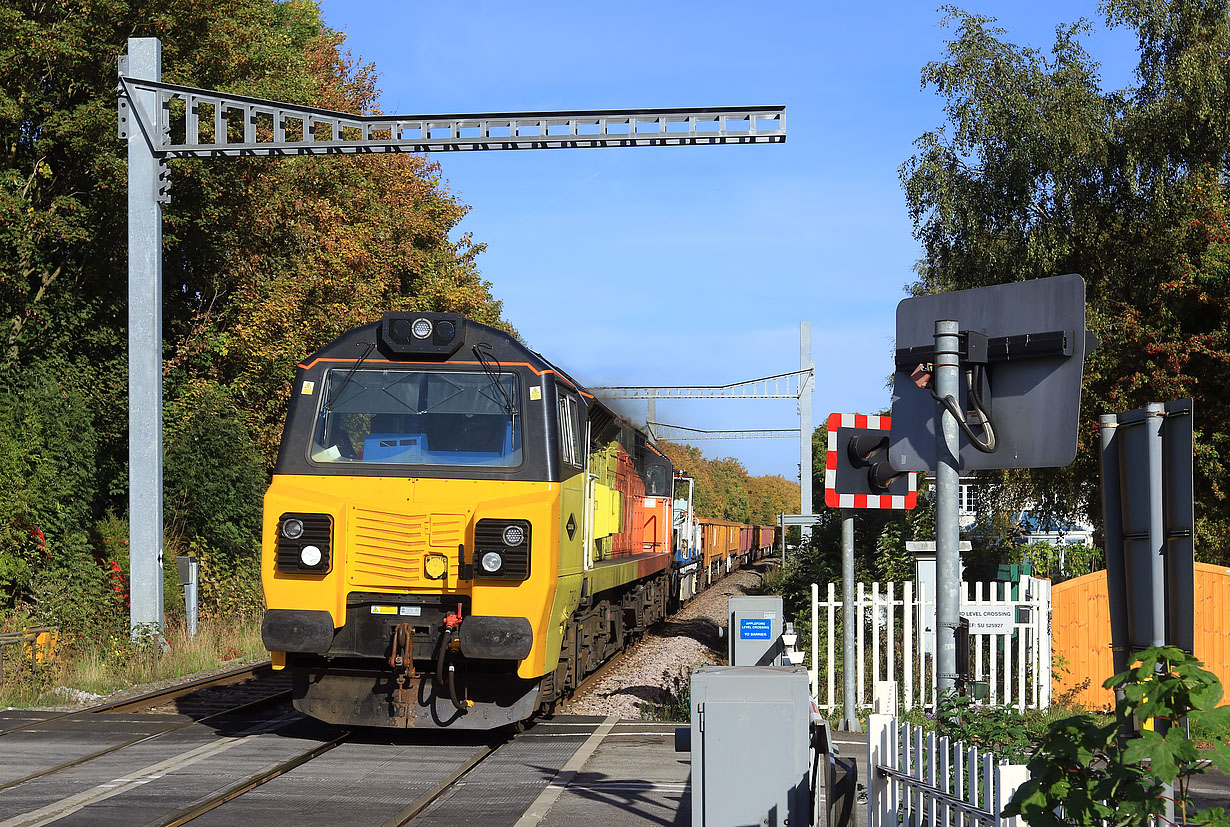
{"points": [[769, 496], [1039, 172], [264, 262], [48, 474]]}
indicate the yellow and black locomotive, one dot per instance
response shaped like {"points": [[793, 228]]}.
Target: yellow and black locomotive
{"points": [[456, 532]]}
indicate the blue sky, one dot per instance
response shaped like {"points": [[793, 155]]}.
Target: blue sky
{"points": [[696, 265]]}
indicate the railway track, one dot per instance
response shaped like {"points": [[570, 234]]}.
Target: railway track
{"points": [[248, 784], [441, 781], [609, 665], [258, 767], [69, 799], [244, 734], [249, 701], [439, 790], [158, 697]]}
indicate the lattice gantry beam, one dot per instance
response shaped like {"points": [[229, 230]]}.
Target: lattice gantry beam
{"points": [[781, 386], [674, 433], [202, 123]]}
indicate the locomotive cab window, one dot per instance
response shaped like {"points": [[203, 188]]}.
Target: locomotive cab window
{"points": [[657, 480], [571, 439], [407, 417]]}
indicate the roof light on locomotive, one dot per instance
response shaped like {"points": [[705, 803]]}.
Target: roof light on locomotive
{"points": [[423, 334]]}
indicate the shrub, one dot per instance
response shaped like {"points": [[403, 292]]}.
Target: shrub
{"points": [[214, 484], [1096, 771], [48, 479]]}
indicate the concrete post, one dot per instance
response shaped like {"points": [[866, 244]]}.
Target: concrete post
{"points": [[881, 801], [189, 578]]}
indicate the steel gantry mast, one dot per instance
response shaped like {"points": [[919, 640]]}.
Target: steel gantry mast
{"points": [[163, 120], [799, 384]]}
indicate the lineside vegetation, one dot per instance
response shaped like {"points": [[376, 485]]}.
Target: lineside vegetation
{"points": [[264, 261]]}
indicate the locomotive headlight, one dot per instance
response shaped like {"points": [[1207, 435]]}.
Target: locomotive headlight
{"points": [[421, 328], [514, 535], [304, 543], [491, 562], [292, 529], [310, 556]]}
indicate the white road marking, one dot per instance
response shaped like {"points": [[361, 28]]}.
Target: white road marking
{"points": [[547, 798], [633, 786], [583, 734]]}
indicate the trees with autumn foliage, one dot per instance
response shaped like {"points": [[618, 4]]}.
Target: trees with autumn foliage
{"points": [[1039, 171], [264, 261], [726, 491]]}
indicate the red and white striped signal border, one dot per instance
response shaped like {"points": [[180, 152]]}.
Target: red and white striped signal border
{"points": [[835, 500]]}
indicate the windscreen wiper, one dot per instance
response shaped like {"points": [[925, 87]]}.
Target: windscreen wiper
{"points": [[349, 375], [493, 369]]}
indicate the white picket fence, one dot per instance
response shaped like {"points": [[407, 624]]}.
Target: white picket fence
{"points": [[919, 779], [894, 641]]}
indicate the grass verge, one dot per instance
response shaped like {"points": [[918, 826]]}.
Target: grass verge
{"points": [[83, 668]]}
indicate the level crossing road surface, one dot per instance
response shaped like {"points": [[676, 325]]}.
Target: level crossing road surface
{"points": [[561, 772], [564, 771]]}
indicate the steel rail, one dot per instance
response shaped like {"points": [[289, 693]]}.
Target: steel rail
{"points": [[180, 690], [606, 667], [619, 657], [168, 694], [142, 738], [188, 814], [431, 796]]}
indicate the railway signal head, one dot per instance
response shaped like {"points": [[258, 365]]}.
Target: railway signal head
{"points": [[857, 472]]}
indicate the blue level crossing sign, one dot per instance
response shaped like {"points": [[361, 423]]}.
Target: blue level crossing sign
{"points": [[754, 628]]}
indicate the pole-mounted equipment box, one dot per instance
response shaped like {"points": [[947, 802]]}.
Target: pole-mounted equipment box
{"points": [[755, 634]]}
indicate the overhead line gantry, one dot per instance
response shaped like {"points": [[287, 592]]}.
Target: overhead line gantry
{"points": [[799, 384], [161, 121]]}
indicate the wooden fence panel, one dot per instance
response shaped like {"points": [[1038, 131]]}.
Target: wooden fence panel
{"points": [[1080, 628], [1212, 610], [1080, 640]]}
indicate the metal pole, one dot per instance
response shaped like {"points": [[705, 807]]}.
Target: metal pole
{"points": [[190, 595], [806, 388], [651, 415], [947, 529], [144, 347], [815, 643], [1155, 414], [849, 617], [1116, 572], [781, 522]]}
